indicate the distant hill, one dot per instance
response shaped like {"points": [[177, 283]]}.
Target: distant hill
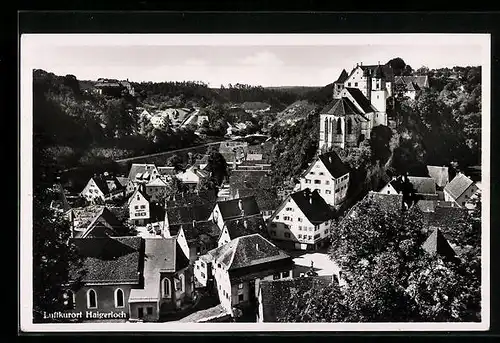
{"points": [[299, 90], [296, 111]]}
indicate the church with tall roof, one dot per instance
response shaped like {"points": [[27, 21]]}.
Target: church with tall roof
{"points": [[358, 105]]}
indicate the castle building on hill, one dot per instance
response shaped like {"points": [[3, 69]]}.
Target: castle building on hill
{"points": [[358, 105]]}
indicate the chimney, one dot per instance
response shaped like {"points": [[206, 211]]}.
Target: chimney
{"points": [[240, 204], [310, 199], [361, 63], [357, 65], [194, 223], [257, 246], [245, 224]]}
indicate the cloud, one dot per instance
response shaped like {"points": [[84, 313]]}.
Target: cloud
{"points": [[262, 58], [195, 62]]}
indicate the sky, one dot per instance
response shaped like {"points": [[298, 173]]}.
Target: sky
{"points": [[294, 61]]}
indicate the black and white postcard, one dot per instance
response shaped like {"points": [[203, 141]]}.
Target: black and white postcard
{"points": [[254, 182]]}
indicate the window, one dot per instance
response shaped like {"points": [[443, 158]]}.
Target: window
{"points": [[300, 236], [327, 182], [140, 312], [312, 173], [349, 126], [227, 295], [300, 228], [309, 237], [355, 84], [166, 288], [91, 299], [285, 274], [328, 191], [287, 218], [277, 217], [310, 229], [197, 266], [276, 276], [149, 310], [317, 182], [202, 264], [318, 190], [69, 300], [143, 206], [289, 209], [240, 297], [287, 234], [316, 235], [119, 298], [299, 219], [202, 274], [321, 173], [308, 181], [339, 126], [138, 198], [240, 286], [348, 84], [326, 231]]}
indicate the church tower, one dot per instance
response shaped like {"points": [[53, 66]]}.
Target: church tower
{"points": [[379, 96]]}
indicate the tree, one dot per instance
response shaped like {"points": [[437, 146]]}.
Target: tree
{"points": [[398, 65], [407, 71], [423, 70], [217, 166], [176, 162]]}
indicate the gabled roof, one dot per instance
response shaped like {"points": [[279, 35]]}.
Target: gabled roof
{"points": [[439, 174], [437, 244], [276, 295], [136, 192], [419, 81], [110, 259], [241, 207], [247, 251], [122, 180], [458, 185], [386, 202], [341, 107], [362, 101], [342, 77], [267, 199], [186, 214], [197, 230], [312, 205], [107, 184], [112, 224], [162, 255], [246, 226], [333, 164], [140, 168], [157, 182]]}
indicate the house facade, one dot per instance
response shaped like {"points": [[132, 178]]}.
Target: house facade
{"points": [[168, 281], [139, 208], [238, 267], [157, 189], [303, 220], [104, 188], [329, 176]]}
